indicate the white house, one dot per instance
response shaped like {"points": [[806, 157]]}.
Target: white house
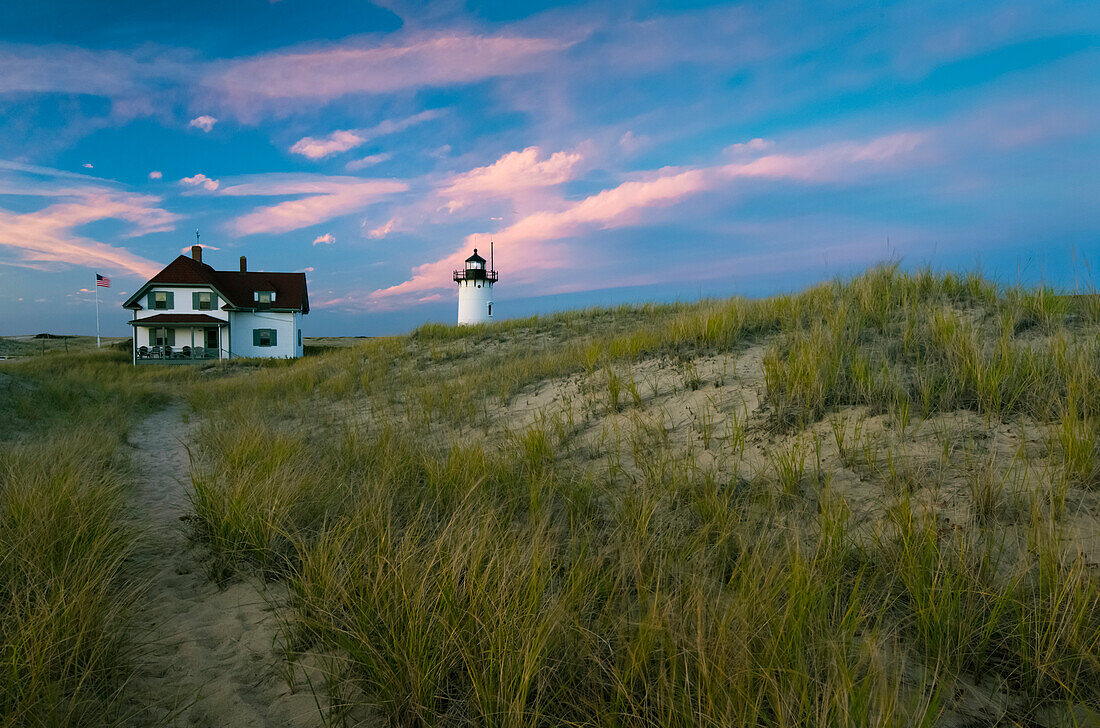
{"points": [[191, 312]]}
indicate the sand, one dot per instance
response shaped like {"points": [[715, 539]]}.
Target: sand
{"points": [[211, 655]]}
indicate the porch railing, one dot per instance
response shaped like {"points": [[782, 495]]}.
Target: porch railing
{"points": [[183, 353]]}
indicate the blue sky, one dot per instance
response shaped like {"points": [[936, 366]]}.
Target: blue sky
{"points": [[614, 151]]}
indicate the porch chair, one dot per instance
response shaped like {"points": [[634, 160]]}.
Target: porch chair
{"points": [[167, 351], [143, 352], [186, 352], [156, 352]]}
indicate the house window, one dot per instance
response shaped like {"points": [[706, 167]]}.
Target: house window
{"points": [[265, 297], [162, 300], [162, 337], [204, 300], [263, 337]]}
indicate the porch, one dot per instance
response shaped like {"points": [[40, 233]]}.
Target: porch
{"points": [[175, 355], [179, 339]]}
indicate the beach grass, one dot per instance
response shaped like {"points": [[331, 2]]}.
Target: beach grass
{"points": [[614, 517]]}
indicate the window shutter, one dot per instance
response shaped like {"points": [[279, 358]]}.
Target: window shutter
{"points": [[171, 297], [171, 335], [255, 337], [273, 341], [195, 300], [151, 300]]}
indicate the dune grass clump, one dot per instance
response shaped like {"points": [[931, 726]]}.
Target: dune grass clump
{"points": [[887, 340], [66, 639], [64, 598]]}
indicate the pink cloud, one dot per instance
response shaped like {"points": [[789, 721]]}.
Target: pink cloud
{"points": [[382, 230], [509, 175], [368, 161], [325, 239], [200, 180], [155, 174], [326, 197], [204, 122], [530, 246], [343, 140], [415, 61], [631, 142], [46, 235], [334, 143]]}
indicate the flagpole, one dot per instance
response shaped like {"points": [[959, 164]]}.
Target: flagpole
{"points": [[97, 312]]}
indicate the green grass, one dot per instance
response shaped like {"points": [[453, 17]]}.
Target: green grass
{"points": [[66, 629]]}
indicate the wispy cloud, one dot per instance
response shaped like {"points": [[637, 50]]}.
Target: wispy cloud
{"points": [[365, 66], [155, 174], [368, 161], [326, 239], [334, 143], [511, 175], [345, 139], [70, 69], [325, 198], [529, 242], [48, 234], [382, 230], [204, 122]]}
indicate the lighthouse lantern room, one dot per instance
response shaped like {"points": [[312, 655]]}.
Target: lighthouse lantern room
{"points": [[475, 290]]}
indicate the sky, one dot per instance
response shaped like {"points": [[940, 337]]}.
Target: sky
{"points": [[613, 152]]}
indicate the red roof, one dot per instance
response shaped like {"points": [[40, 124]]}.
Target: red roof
{"points": [[179, 318], [238, 288]]}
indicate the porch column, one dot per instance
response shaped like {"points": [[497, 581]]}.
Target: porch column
{"points": [[192, 342]]}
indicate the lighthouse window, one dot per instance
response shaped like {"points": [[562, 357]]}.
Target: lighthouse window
{"points": [[490, 309]]}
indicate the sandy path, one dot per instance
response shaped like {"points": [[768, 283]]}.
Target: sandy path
{"points": [[211, 657]]}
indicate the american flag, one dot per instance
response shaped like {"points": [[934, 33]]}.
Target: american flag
{"points": [[102, 281]]}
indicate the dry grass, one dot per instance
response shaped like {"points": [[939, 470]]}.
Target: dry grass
{"points": [[614, 517], [66, 642], [871, 503]]}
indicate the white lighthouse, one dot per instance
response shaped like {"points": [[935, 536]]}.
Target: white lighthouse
{"points": [[475, 290]]}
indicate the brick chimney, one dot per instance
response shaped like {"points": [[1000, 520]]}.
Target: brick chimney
{"points": [[196, 252], [244, 265]]}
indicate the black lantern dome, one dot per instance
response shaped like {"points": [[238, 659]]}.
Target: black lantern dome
{"points": [[475, 270]]}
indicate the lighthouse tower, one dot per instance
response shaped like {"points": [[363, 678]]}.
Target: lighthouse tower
{"points": [[475, 290]]}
